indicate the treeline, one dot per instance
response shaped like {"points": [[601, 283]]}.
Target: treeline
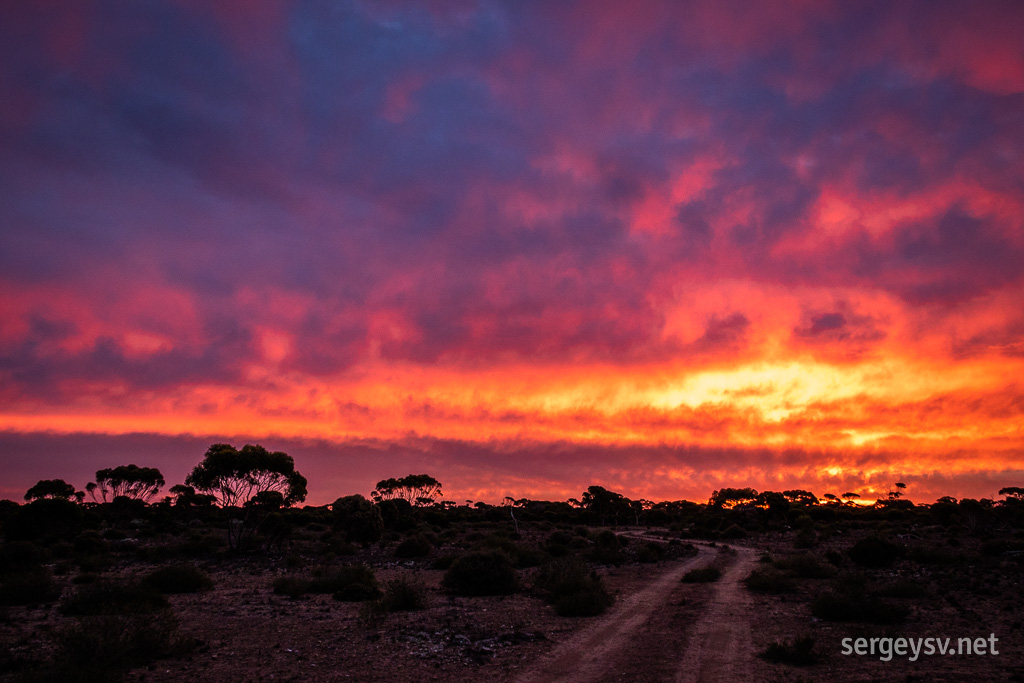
{"points": [[254, 494]]}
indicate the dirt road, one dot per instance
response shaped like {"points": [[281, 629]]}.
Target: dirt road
{"points": [[720, 642], [648, 637]]}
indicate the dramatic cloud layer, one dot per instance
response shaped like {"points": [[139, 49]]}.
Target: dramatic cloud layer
{"points": [[670, 246]]}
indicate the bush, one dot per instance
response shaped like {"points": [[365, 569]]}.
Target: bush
{"points": [[178, 578], [401, 595], [805, 538], [874, 552], [109, 598], [834, 558], [832, 606], [414, 546], [102, 648], [573, 590], [769, 580], [481, 573], [90, 543], [805, 566], [932, 555], [650, 552], [796, 653], [607, 549], [444, 562], [31, 587], [703, 575], [902, 589], [734, 531], [292, 586], [351, 583]]}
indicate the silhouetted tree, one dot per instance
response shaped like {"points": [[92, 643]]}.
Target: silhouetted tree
{"points": [[53, 488], [186, 496], [800, 497], [253, 478], [604, 503], [1014, 494], [234, 477], [415, 489], [128, 481], [730, 498], [358, 518], [898, 493], [512, 504]]}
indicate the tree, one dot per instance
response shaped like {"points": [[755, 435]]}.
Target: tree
{"points": [[415, 489], [800, 497], [358, 518], [1014, 494], [512, 504], [730, 498], [128, 481], [186, 496], [53, 488], [254, 479], [235, 477], [600, 501]]}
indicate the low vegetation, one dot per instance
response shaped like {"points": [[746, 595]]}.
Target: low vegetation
{"points": [[90, 590]]}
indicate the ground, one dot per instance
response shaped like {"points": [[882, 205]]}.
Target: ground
{"points": [[659, 629]]}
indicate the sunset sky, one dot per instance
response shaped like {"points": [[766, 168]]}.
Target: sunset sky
{"points": [[524, 247]]}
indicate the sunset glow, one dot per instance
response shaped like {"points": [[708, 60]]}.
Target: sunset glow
{"points": [[662, 249]]}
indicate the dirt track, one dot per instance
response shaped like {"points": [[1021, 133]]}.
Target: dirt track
{"points": [[646, 637], [720, 642]]}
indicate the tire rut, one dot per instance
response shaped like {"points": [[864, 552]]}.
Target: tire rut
{"points": [[591, 653]]}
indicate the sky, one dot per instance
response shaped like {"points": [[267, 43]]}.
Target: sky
{"points": [[524, 247]]}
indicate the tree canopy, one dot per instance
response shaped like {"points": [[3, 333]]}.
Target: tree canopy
{"points": [[416, 489], [129, 481], [236, 476], [53, 488]]}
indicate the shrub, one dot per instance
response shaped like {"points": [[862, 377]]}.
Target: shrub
{"points": [[874, 552], [734, 531], [292, 586], [607, 549], [178, 578], [832, 606], [109, 598], [559, 537], [834, 558], [769, 580], [650, 552], [805, 566], [102, 648], [902, 589], [90, 543], [351, 583], [932, 555], [31, 587], [444, 562], [796, 653], [805, 538], [703, 575], [358, 592], [572, 589], [414, 546], [401, 595], [481, 573]]}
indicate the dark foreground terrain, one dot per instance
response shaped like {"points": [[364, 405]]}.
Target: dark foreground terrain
{"points": [[361, 591]]}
